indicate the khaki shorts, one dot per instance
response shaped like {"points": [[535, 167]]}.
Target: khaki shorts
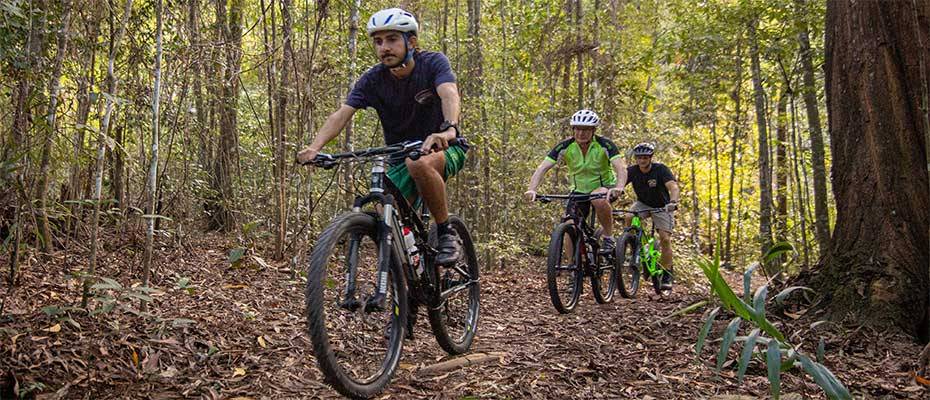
{"points": [[663, 221]]}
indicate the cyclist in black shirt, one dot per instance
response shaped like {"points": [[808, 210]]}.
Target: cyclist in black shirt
{"points": [[655, 187], [416, 97]]}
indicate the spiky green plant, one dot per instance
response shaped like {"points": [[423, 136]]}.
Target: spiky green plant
{"points": [[779, 355]]}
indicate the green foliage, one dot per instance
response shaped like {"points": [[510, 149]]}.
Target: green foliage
{"points": [[111, 295], [775, 343]]}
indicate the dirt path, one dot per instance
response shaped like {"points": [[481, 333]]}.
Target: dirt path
{"points": [[247, 340]]}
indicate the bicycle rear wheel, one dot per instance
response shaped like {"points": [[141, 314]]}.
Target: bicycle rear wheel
{"points": [[455, 321], [626, 269], [564, 273], [357, 351]]}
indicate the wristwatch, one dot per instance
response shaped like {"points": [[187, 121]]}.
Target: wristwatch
{"points": [[448, 124]]}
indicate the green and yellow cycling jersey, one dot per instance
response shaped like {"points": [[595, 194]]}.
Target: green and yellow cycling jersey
{"points": [[590, 171]]}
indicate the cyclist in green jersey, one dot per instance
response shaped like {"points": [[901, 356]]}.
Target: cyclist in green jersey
{"points": [[594, 166]]}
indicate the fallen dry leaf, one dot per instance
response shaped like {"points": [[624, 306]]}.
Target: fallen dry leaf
{"points": [[53, 329], [261, 342], [238, 372]]}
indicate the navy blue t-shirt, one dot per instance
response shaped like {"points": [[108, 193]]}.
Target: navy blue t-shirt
{"points": [[409, 108], [650, 186]]}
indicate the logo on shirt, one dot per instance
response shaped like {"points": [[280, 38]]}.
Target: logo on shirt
{"points": [[424, 96], [652, 183]]}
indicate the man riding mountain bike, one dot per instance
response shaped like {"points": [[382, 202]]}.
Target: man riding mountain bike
{"points": [[655, 187], [416, 97], [594, 166]]}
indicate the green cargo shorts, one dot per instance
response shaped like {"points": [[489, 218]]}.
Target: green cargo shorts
{"points": [[400, 177]]}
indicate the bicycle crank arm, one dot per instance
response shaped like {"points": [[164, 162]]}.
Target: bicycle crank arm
{"points": [[458, 288]]}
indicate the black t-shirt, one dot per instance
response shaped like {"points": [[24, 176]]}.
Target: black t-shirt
{"points": [[409, 108], [650, 186]]}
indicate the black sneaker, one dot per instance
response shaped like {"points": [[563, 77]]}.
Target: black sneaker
{"points": [[608, 246], [666, 283], [450, 248]]}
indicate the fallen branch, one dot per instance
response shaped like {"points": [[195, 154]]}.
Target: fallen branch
{"points": [[460, 362]]}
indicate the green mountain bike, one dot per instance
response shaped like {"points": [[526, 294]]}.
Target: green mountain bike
{"points": [[639, 251]]}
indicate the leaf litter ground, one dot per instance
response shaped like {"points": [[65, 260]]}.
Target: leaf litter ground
{"points": [[212, 331]]}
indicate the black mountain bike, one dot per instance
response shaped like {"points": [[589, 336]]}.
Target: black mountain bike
{"points": [[574, 253], [370, 270], [638, 250]]}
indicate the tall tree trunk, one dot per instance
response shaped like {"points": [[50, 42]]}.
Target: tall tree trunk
{"points": [[199, 73], [227, 154], [579, 61], [737, 139], [281, 135], [799, 187], [152, 184], [876, 266], [716, 220], [781, 167], [765, 173], [54, 87], [115, 39], [809, 90], [85, 82]]}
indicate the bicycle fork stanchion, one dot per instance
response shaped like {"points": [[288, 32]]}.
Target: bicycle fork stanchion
{"points": [[350, 302]]}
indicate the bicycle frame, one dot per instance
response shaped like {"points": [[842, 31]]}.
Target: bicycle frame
{"points": [[391, 216], [648, 254], [585, 227]]}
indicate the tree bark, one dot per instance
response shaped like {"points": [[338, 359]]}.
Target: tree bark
{"points": [[765, 173], [809, 90], [876, 266]]}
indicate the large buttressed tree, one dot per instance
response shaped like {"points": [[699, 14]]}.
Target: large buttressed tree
{"points": [[877, 264]]}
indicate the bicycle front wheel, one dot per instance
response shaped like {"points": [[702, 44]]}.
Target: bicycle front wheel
{"points": [[357, 350], [564, 273], [625, 265], [455, 321]]}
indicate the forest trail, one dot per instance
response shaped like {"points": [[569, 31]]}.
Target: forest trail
{"points": [[247, 340]]}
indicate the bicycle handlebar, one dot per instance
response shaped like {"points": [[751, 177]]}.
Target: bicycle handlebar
{"points": [[408, 149], [546, 198], [648, 210]]}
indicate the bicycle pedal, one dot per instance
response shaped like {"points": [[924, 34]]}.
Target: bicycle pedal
{"points": [[351, 304], [376, 303]]}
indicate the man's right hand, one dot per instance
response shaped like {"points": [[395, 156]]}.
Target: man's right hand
{"points": [[530, 195], [306, 155]]}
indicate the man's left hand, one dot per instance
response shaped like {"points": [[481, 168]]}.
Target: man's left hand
{"points": [[671, 206], [614, 194], [437, 141]]}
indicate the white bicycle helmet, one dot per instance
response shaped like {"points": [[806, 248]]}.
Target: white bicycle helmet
{"points": [[644, 149], [585, 118], [392, 19]]}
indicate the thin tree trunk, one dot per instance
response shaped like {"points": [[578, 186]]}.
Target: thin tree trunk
{"points": [[809, 91], [282, 100], [716, 220], [54, 87], [101, 144], [765, 177], [802, 194], [152, 184], [85, 82], [781, 169], [579, 68], [737, 138]]}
